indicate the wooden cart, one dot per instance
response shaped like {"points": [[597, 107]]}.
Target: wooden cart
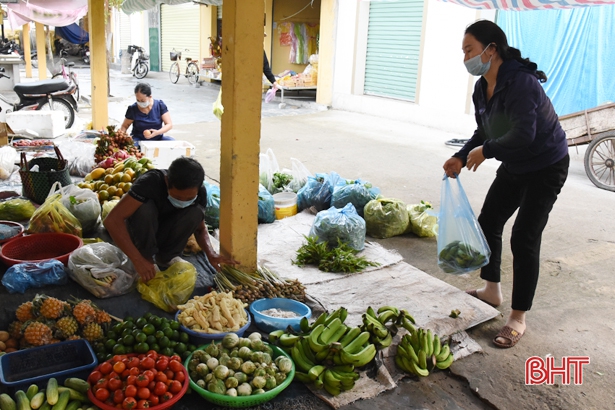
{"points": [[595, 127]]}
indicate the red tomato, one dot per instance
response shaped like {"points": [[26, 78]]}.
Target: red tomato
{"points": [[94, 377], [119, 358], [131, 379], [166, 397], [143, 393], [101, 394], [130, 391], [115, 384], [135, 371], [162, 364], [151, 385], [113, 375], [129, 403], [175, 358], [147, 363], [153, 400], [125, 374], [150, 374], [101, 383], [160, 389], [152, 353], [119, 367], [118, 396], [176, 366], [170, 374], [175, 387], [161, 377], [142, 380], [143, 404], [133, 362], [105, 368], [180, 377]]}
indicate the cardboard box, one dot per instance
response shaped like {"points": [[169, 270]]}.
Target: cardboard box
{"points": [[47, 124], [162, 153]]}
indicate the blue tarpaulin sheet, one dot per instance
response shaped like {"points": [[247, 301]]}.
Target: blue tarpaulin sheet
{"points": [[73, 34], [574, 47]]}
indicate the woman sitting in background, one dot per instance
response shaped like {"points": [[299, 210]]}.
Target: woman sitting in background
{"points": [[150, 118]]}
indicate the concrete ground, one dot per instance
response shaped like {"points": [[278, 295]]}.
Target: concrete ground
{"points": [[574, 304]]}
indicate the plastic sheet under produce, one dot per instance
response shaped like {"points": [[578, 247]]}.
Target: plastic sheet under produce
{"points": [[340, 224], [19, 278]]}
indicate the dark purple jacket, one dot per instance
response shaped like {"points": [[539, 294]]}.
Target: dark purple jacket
{"points": [[518, 126]]}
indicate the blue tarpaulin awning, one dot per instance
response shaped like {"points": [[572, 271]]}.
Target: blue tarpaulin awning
{"points": [[73, 34]]}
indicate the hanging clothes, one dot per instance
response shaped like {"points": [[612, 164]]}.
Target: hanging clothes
{"points": [[284, 30]]}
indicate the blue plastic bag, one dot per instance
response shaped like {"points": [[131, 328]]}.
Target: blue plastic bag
{"points": [[462, 246], [344, 224], [21, 277], [356, 192], [212, 212], [317, 191], [266, 206]]}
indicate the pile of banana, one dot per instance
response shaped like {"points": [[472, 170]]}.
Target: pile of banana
{"points": [[381, 334], [327, 352], [419, 351]]}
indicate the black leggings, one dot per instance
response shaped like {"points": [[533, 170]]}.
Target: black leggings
{"points": [[533, 194]]}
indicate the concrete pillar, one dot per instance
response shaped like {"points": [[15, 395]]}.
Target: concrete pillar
{"points": [[324, 95], [26, 49], [41, 53], [98, 64], [242, 62]]}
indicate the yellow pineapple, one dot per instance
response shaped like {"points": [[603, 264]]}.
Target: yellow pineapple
{"points": [[37, 334], [84, 312], [73, 337], [92, 332], [102, 317], [15, 329], [24, 312], [67, 326], [50, 307]]}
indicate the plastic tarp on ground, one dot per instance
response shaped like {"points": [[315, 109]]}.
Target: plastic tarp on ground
{"points": [[73, 34], [49, 12]]}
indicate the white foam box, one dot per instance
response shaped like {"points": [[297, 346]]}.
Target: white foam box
{"points": [[162, 153], [47, 124]]}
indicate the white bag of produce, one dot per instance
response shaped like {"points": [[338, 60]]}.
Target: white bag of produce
{"points": [[82, 203], [102, 269]]}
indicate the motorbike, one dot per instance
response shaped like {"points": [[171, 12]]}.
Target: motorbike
{"points": [[42, 95], [86, 55], [138, 64]]}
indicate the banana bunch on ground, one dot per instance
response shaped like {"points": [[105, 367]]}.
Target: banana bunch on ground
{"points": [[377, 324], [327, 351], [420, 350]]}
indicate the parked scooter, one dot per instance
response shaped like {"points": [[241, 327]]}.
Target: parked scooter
{"points": [[86, 54], [42, 95], [138, 64]]}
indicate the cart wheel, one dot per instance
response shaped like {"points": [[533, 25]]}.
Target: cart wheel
{"points": [[600, 161]]}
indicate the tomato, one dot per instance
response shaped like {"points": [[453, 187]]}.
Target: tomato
{"points": [[161, 377], [180, 377], [119, 367], [115, 384], [129, 403], [143, 393], [147, 363], [150, 374], [125, 374], [119, 358], [175, 358], [135, 371], [94, 377], [105, 368], [113, 375], [101, 394], [133, 362], [131, 380], [101, 383], [175, 387], [160, 389], [170, 374], [153, 400], [142, 380], [118, 396], [152, 353], [130, 391], [143, 404], [151, 385], [166, 397], [175, 366], [162, 364]]}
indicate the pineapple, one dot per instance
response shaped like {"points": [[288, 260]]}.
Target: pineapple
{"points": [[37, 334], [49, 307], [24, 312], [84, 312], [102, 317], [15, 330], [67, 326], [92, 332], [73, 337]]}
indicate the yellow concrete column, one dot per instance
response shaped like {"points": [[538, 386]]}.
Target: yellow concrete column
{"points": [[41, 53], [98, 64], [324, 95], [242, 62], [26, 49]]}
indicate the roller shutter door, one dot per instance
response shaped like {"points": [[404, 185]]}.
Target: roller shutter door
{"points": [[179, 29]]}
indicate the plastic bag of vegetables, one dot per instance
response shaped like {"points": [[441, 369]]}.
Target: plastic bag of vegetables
{"points": [[344, 224], [52, 216], [356, 192], [423, 223], [386, 217], [317, 191], [82, 203], [212, 212], [16, 210], [171, 287], [107, 207], [266, 206]]}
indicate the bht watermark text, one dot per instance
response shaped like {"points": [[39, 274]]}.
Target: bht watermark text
{"points": [[541, 371]]}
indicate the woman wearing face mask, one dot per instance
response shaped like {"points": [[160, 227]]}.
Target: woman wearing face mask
{"points": [[517, 125], [150, 118]]}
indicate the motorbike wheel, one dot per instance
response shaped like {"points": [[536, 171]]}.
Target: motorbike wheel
{"points": [[63, 106], [192, 72], [73, 79], [174, 73], [141, 70]]}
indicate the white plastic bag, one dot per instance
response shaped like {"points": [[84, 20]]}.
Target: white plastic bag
{"points": [[8, 158], [300, 175], [102, 269], [82, 203], [268, 165], [80, 156], [270, 95]]}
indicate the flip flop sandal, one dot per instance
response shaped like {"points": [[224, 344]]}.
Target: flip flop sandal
{"points": [[475, 294], [511, 336]]}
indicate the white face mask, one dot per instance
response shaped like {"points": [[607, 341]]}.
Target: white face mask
{"points": [[475, 65], [143, 104]]}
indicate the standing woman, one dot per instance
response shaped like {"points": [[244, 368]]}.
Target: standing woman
{"points": [[517, 125], [150, 118]]}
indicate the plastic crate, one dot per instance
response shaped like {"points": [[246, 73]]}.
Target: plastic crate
{"points": [[20, 369]]}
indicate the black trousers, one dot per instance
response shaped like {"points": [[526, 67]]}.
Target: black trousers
{"points": [[163, 237], [533, 194]]}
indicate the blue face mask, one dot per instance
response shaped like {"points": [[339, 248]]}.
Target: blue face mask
{"points": [[180, 204], [475, 65], [143, 104]]}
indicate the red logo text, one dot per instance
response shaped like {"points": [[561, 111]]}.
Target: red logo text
{"points": [[543, 371]]}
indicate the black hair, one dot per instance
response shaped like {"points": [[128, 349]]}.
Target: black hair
{"points": [[185, 173], [144, 89], [487, 32]]}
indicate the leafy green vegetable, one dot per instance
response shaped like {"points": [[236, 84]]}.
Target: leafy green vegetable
{"points": [[280, 180], [16, 210], [341, 258]]}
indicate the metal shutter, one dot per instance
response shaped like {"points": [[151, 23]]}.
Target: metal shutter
{"points": [[125, 36], [219, 10], [179, 29], [393, 46]]}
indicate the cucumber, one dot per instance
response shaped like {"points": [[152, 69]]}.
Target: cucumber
{"points": [[23, 403], [32, 390], [7, 402], [62, 401], [73, 405], [38, 399], [45, 406], [77, 384], [52, 391], [73, 394]]}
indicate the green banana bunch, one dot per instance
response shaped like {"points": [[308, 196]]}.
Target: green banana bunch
{"points": [[377, 324], [419, 352]]}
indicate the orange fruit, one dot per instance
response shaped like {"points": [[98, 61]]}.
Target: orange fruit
{"points": [[118, 177], [108, 179], [119, 192], [103, 195], [112, 190], [126, 178]]}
